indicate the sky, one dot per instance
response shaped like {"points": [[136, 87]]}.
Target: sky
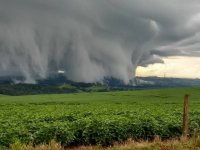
{"points": [[89, 40], [176, 67]]}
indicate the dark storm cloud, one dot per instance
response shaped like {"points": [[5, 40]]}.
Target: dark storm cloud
{"points": [[93, 39]]}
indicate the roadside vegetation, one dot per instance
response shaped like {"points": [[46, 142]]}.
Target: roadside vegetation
{"points": [[176, 144]]}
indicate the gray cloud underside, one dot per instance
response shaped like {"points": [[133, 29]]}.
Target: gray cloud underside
{"points": [[93, 39]]}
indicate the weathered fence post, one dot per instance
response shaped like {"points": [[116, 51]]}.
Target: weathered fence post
{"points": [[185, 116]]}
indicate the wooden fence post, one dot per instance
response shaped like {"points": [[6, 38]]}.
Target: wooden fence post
{"points": [[185, 127]]}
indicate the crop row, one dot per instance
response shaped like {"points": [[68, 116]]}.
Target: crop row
{"points": [[92, 129]]}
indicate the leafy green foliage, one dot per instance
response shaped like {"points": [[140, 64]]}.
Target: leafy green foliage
{"points": [[96, 118]]}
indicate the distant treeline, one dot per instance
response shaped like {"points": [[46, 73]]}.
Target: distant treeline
{"points": [[32, 89], [61, 85]]}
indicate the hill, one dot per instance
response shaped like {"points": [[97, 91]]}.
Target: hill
{"points": [[59, 84]]}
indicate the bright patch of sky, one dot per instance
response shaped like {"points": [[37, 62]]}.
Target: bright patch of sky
{"points": [[181, 67]]}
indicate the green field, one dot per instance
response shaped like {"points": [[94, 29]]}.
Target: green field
{"points": [[96, 118]]}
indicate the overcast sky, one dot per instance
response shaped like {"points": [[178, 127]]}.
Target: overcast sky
{"points": [[93, 39]]}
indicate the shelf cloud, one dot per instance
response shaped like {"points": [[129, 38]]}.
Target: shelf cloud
{"points": [[92, 39]]}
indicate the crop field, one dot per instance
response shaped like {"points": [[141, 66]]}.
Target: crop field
{"points": [[96, 118]]}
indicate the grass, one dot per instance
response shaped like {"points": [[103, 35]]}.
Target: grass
{"points": [[167, 96], [157, 144]]}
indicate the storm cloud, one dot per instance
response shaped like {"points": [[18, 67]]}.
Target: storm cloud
{"points": [[94, 39]]}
